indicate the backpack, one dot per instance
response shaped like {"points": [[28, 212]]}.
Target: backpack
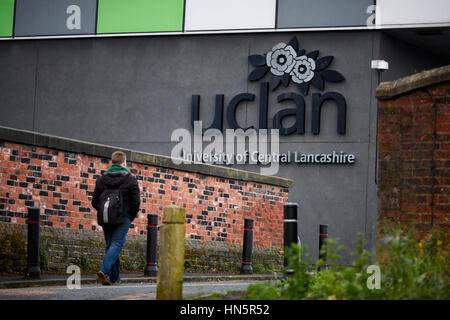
{"points": [[112, 207]]}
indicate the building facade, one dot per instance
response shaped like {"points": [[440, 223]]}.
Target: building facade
{"points": [[130, 73]]}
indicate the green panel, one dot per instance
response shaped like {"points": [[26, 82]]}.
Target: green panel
{"points": [[6, 18], [118, 16]]}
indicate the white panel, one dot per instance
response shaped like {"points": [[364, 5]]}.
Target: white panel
{"points": [[229, 14], [413, 12]]}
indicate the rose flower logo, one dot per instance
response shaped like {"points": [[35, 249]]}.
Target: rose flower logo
{"points": [[286, 62]]}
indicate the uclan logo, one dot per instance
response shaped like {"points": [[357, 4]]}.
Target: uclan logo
{"points": [[286, 63]]}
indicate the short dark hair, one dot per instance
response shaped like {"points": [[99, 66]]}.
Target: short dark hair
{"points": [[118, 157]]}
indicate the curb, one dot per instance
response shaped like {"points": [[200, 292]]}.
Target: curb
{"points": [[32, 283]]}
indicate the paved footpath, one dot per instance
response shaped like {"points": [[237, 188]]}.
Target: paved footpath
{"points": [[134, 286], [119, 292]]}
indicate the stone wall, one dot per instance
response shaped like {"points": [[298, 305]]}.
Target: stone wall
{"points": [[61, 247], [414, 150], [58, 175]]}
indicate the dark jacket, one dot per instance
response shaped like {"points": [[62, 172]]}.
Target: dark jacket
{"points": [[129, 188]]}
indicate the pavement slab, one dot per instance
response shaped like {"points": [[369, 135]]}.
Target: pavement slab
{"points": [[46, 280]]}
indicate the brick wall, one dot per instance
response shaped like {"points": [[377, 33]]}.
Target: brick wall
{"points": [[414, 155], [61, 183]]}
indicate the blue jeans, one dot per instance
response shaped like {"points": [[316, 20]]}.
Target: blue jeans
{"points": [[115, 238]]}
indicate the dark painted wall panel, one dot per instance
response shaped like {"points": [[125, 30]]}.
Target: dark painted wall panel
{"points": [[400, 64], [18, 62], [322, 13], [134, 91], [55, 17]]}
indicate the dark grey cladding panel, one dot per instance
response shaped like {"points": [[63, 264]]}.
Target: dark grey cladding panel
{"points": [[322, 13], [17, 83], [54, 17]]}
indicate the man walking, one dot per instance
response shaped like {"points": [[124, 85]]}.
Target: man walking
{"points": [[116, 199]]}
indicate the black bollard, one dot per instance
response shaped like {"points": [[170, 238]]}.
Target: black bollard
{"points": [[246, 267], [151, 269], [33, 268], [323, 235], [290, 229]]}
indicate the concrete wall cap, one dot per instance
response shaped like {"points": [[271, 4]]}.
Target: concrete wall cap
{"points": [[392, 89]]}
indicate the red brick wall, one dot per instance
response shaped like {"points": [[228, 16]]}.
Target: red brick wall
{"points": [[414, 158], [62, 184]]}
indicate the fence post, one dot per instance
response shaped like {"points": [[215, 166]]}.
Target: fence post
{"points": [[171, 254], [33, 268], [290, 229], [246, 267], [323, 235], [151, 269]]}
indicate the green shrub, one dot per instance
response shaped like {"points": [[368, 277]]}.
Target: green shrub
{"points": [[294, 287], [344, 282], [13, 251], [258, 268], [412, 269], [409, 269], [85, 262], [43, 259]]}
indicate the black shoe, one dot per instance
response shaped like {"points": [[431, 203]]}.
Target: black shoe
{"points": [[103, 278]]}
